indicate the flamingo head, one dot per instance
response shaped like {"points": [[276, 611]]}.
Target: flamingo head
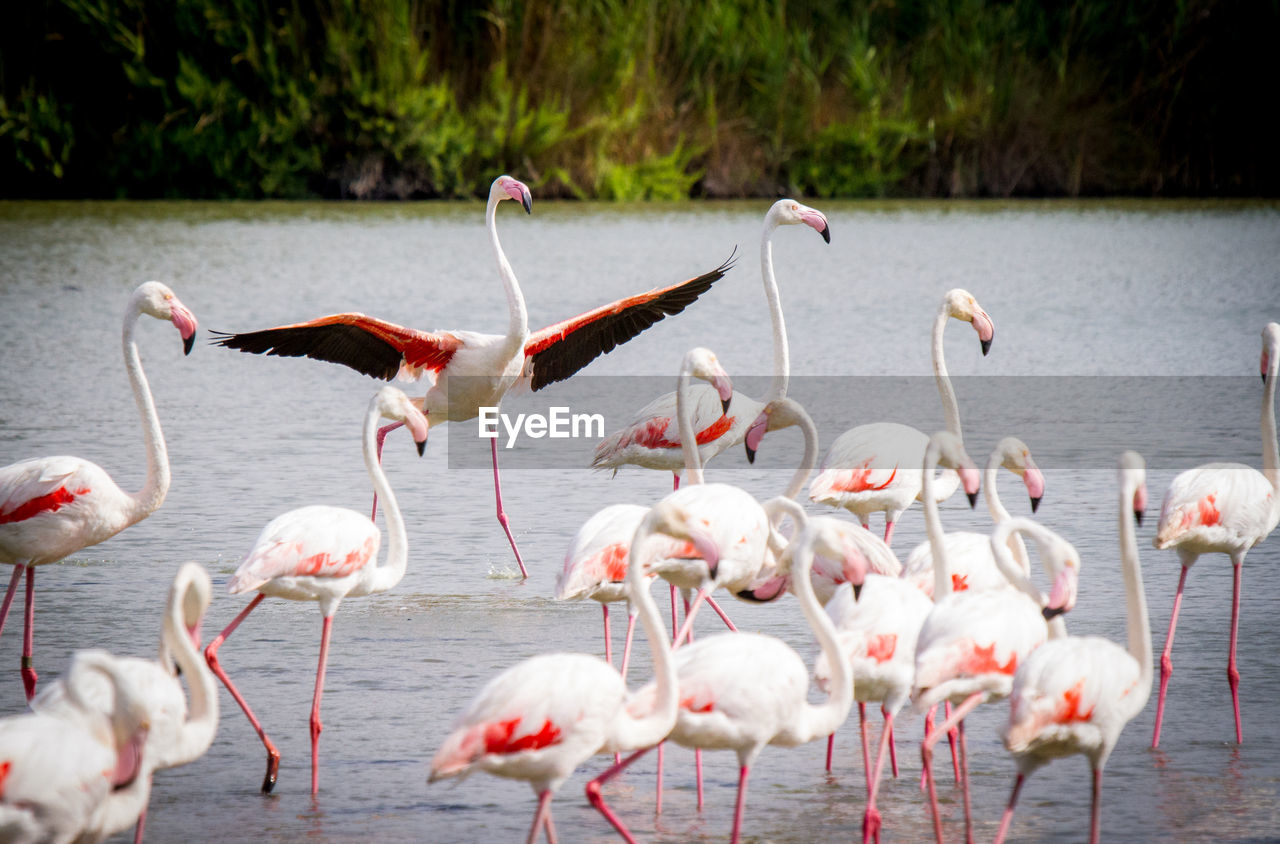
{"points": [[1270, 350], [951, 455], [833, 541], [961, 305], [1132, 462], [777, 414], [157, 300], [505, 187], [393, 404], [702, 363], [1016, 457], [1062, 596], [672, 520], [788, 212]]}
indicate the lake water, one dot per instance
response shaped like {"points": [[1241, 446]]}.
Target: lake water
{"points": [[1153, 310]]}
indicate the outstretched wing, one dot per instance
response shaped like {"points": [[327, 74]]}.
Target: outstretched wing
{"points": [[560, 350], [368, 345]]}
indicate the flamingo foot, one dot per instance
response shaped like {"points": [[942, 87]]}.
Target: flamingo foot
{"points": [[273, 769], [870, 825], [29, 677]]}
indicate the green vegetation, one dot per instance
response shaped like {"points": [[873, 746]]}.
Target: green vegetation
{"points": [[635, 100]]}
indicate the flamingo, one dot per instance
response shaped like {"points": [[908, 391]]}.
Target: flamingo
{"points": [[76, 775], [482, 367], [595, 566], [645, 441], [540, 719], [1075, 695], [322, 553], [871, 467], [973, 641], [970, 563], [741, 691], [175, 737], [1227, 508], [52, 507]]}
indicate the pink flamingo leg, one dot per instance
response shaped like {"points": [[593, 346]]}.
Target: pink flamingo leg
{"points": [[893, 749], [8, 595], [551, 828], [626, 647], [608, 656], [29, 675], [211, 657], [1166, 658], [596, 798], [675, 483], [888, 531], [951, 742], [866, 749], [1008, 810], [964, 773], [711, 602], [742, 803], [1233, 675], [926, 754], [382, 435], [316, 726], [831, 744], [142, 822], [871, 817], [686, 630], [657, 802], [928, 729], [539, 817], [502, 514], [1095, 814]]}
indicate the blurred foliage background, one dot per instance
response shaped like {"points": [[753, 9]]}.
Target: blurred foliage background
{"points": [[637, 100]]}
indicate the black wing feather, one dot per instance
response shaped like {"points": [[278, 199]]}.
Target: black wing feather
{"points": [[335, 343]]}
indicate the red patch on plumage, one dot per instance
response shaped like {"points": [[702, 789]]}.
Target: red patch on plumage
{"points": [[1070, 708], [4, 775], [688, 703], [982, 660], [610, 563], [498, 737], [859, 479], [1209, 514], [959, 582], [881, 646], [50, 503], [653, 434]]}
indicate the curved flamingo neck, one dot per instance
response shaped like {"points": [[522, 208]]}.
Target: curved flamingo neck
{"points": [[781, 351], [147, 500], [1019, 580], [202, 716], [688, 434], [518, 328], [950, 409], [385, 576], [990, 490], [1270, 440], [809, 460], [778, 508], [653, 726], [825, 718], [1138, 622], [933, 524]]}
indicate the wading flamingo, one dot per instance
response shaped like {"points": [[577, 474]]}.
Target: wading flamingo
{"points": [[322, 553], [595, 566], [77, 775], [646, 441], [970, 563], [1227, 508], [1075, 695], [52, 507], [872, 467], [470, 370], [741, 691], [176, 736], [972, 642], [540, 719]]}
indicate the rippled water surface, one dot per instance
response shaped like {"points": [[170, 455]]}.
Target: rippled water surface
{"points": [[1094, 291]]}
